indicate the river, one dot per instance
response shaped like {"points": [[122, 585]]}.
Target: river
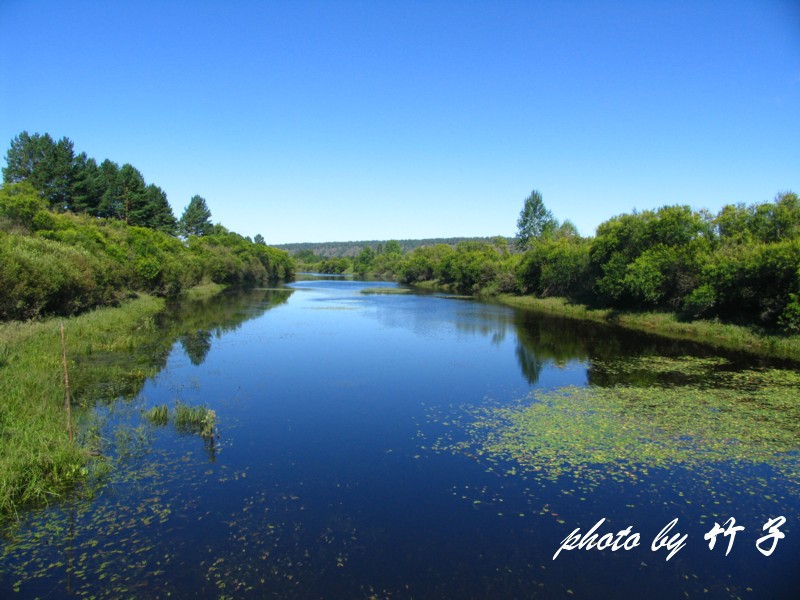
{"points": [[409, 445]]}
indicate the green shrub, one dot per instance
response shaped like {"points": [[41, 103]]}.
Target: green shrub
{"points": [[20, 203], [700, 301]]}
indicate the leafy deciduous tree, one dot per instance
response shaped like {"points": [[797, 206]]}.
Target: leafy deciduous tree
{"points": [[534, 220]]}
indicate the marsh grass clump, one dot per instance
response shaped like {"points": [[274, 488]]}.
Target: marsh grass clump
{"points": [[158, 415], [199, 420]]}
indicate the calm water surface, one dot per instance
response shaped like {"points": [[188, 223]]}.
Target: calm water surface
{"points": [[338, 473]]}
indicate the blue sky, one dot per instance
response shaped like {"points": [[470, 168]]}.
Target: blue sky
{"points": [[323, 121]]}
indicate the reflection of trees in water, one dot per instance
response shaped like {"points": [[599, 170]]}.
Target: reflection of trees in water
{"points": [[196, 345], [530, 364], [542, 339], [108, 376], [489, 323]]}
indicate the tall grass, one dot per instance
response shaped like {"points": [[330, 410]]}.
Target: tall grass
{"points": [[37, 461], [195, 419]]}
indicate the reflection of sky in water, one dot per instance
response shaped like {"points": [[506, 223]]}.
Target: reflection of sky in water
{"points": [[332, 339]]}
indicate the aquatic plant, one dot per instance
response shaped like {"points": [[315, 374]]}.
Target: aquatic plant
{"points": [[158, 415], [195, 419], [621, 431]]}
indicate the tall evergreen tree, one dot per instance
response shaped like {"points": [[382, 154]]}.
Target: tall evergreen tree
{"points": [[161, 215], [135, 210], [196, 218], [111, 204], [88, 185], [44, 163]]}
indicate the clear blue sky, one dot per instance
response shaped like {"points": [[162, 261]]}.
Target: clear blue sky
{"points": [[322, 121]]}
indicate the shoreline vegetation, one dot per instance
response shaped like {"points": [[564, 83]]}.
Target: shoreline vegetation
{"points": [[92, 245], [730, 280], [110, 353], [76, 235], [724, 336], [38, 463]]}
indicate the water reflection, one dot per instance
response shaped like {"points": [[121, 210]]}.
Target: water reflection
{"points": [[105, 377], [544, 340], [196, 345]]}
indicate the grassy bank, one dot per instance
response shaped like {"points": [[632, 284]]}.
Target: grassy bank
{"points": [[37, 461], [203, 291], [719, 335]]}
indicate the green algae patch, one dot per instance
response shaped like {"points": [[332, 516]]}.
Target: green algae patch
{"points": [[622, 431]]}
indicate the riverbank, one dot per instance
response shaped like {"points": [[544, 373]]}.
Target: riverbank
{"points": [[38, 462], [715, 334]]}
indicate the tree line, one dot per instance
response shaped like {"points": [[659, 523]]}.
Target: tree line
{"points": [[75, 235], [76, 183], [740, 265], [318, 251], [380, 260]]}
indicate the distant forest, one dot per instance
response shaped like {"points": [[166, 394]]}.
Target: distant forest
{"points": [[353, 249]]}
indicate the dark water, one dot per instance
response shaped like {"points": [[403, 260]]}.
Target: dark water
{"points": [[330, 477]]}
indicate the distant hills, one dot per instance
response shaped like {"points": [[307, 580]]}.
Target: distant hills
{"points": [[351, 249]]}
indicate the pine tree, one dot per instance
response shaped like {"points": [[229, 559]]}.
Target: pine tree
{"points": [[110, 205], [161, 215], [88, 185], [44, 163], [135, 209], [196, 218]]}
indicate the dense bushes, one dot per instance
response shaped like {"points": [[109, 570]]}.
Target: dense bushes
{"points": [[742, 265], [424, 264], [38, 276], [556, 268], [470, 267], [757, 280], [63, 264], [230, 258]]}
